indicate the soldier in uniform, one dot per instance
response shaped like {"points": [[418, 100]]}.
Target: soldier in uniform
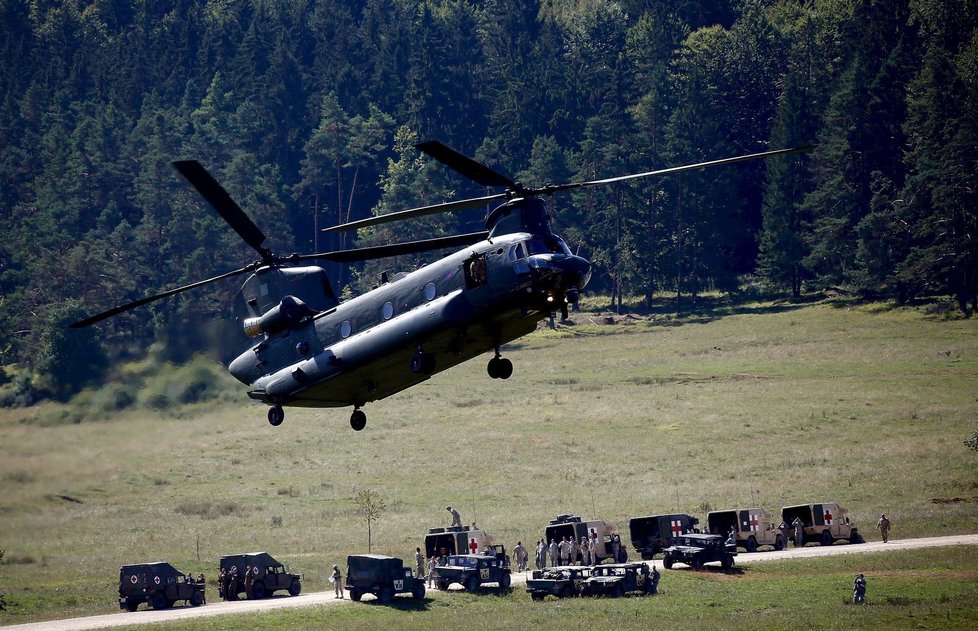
{"points": [[615, 547], [655, 580], [799, 527], [783, 529], [336, 578], [585, 551], [249, 579], [222, 583], [520, 552], [594, 548], [419, 561], [231, 592], [565, 549], [883, 525], [554, 553], [432, 570], [859, 590], [456, 518]]}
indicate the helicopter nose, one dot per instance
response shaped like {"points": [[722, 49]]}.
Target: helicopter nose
{"points": [[561, 271]]}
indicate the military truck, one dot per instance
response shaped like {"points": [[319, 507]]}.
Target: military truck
{"points": [[697, 549], [474, 570], [562, 581], [573, 527], [755, 527], [654, 533], [382, 576], [456, 540], [159, 584], [268, 575], [825, 523], [617, 579]]}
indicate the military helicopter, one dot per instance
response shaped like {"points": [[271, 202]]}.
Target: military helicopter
{"points": [[311, 350]]}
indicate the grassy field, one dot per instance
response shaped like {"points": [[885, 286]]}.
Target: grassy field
{"points": [[761, 405]]}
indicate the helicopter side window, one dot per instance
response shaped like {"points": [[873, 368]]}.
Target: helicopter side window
{"points": [[388, 310], [475, 271], [430, 291], [346, 329]]}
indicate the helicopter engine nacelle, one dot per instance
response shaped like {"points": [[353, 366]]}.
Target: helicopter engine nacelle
{"points": [[290, 313]]}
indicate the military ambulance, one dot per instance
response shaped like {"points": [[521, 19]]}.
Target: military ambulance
{"points": [[825, 523], [654, 533], [573, 527], [755, 527], [158, 584], [456, 540], [268, 575]]}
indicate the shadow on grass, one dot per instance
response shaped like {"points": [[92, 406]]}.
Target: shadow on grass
{"points": [[401, 603]]}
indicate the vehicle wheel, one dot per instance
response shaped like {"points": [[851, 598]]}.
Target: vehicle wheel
{"points": [[826, 539], [418, 591], [358, 420], [355, 594], [158, 601], [197, 599], [276, 415], [493, 368], [537, 596], [472, 584], [618, 591], [505, 581], [667, 563], [443, 585], [855, 537], [779, 544], [295, 588], [505, 368], [752, 544], [257, 591], [386, 594], [697, 563], [132, 605]]}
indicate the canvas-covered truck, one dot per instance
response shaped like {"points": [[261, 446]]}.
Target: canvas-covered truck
{"points": [[474, 570], [573, 527], [456, 540], [158, 584], [267, 575], [754, 527], [382, 576], [654, 533], [825, 523]]}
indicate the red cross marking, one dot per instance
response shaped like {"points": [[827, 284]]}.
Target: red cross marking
{"points": [[473, 546], [677, 528], [753, 523], [828, 518]]}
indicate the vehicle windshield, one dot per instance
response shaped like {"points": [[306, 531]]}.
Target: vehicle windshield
{"points": [[463, 561]]}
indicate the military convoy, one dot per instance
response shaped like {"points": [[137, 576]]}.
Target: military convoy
{"points": [[654, 533], [382, 576], [752, 527], [158, 584], [825, 523], [267, 576]]}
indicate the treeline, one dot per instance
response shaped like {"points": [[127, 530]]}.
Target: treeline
{"points": [[307, 111]]}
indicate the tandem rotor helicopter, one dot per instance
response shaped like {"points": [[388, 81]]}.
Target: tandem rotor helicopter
{"points": [[311, 350]]}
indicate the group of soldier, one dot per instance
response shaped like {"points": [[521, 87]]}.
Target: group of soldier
{"points": [[230, 583], [568, 550]]}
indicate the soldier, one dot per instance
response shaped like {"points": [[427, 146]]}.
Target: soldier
{"points": [[859, 590], [456, 518], [883, 525], [249, 579], [783, 529], [655, 580], [222, 583], [336, 578], [203, 584], [231, 592], [799, 527], [594, 548], [432, 570], [419, 560], [615, 547], [564, 548], [521, 556], [585, 551], [573, 550], [554, 552]]}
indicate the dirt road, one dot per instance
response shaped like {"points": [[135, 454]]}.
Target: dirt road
{"points": [[327, 598]]}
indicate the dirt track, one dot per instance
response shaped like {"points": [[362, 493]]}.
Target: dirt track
{"points": [[327, 598]]}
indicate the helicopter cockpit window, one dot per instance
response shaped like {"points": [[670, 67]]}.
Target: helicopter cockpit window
{"points": [[517, 252], [345, 329], [388, 310], [548, 245], [430, 291]]}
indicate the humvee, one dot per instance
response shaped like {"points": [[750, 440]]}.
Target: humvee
{"points": [[754, 526], [573, 527], [159, 584], [382, 576], [268, 575], [654, 533], [473, 570], [617, 579], [825, 523], [456, 540], [696, 549], [561, 581]]}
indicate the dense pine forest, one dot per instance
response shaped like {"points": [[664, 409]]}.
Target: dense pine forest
{"points": [[307, 111]]}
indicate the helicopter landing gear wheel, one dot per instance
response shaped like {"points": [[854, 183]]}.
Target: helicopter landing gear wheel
{"points": [[358, 420], [276, 415], [500, 368]]}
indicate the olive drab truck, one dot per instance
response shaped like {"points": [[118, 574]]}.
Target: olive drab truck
{"points": [[573, 527], [267, 575], [456, 540], [824, 523], [382, 576], [755, 527], [158, 584], [654, 533]]}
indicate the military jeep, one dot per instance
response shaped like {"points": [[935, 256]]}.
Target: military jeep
{"points": [[382, 576], [617, 579], [694, 550], [268, 575], [159, 584], [474, 570], [562, 581]]}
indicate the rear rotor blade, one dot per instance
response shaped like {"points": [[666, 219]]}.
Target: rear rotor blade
{"points": [[222, 202], [142, 301], [396, 249], [416, 212], [475, 171]]}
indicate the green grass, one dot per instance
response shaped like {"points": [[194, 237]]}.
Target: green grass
{"points": [[763, 404]]}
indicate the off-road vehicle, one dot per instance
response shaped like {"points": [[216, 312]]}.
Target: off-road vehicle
{"points": [[573, 527], [159, 584], [267, 574], [617, 579], [474, 570], [654, 533], [382, 576], [563, 581], [696, 549], [754, 527], [456, 540], [825, 523]]}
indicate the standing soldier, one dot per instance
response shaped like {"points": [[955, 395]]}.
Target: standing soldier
{"points": [[883, 525], [232, 589], [222, 583], [520, 553], [655, 580], [799, 527], [585, 551], [456, 518], [419, 561], [783, 529], [564, 548], [541, 554], [594, 548], [554, 552], [859, 590], [432, 570], [573, 550], [249, 579], [336, 578]]}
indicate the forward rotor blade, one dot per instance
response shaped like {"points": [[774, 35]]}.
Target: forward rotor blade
{"points": [[142, 301], [397, 249], [416, 212], [475, 171], [222, 202], [688, 167]]}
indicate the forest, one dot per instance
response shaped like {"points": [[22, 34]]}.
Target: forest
{"points": [[307, 112]]}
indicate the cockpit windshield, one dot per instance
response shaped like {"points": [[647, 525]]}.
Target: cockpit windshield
{"points": [[550, 244]]}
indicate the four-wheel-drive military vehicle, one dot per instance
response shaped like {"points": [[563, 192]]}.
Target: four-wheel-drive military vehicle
{"points": [[267, 575], [456, 540], [159, 584], [572, 527], [755, 527], [562, 581], [473, 570], [617, 579], [382, 576], [825, 523], [696, 549], [654, 533]]}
